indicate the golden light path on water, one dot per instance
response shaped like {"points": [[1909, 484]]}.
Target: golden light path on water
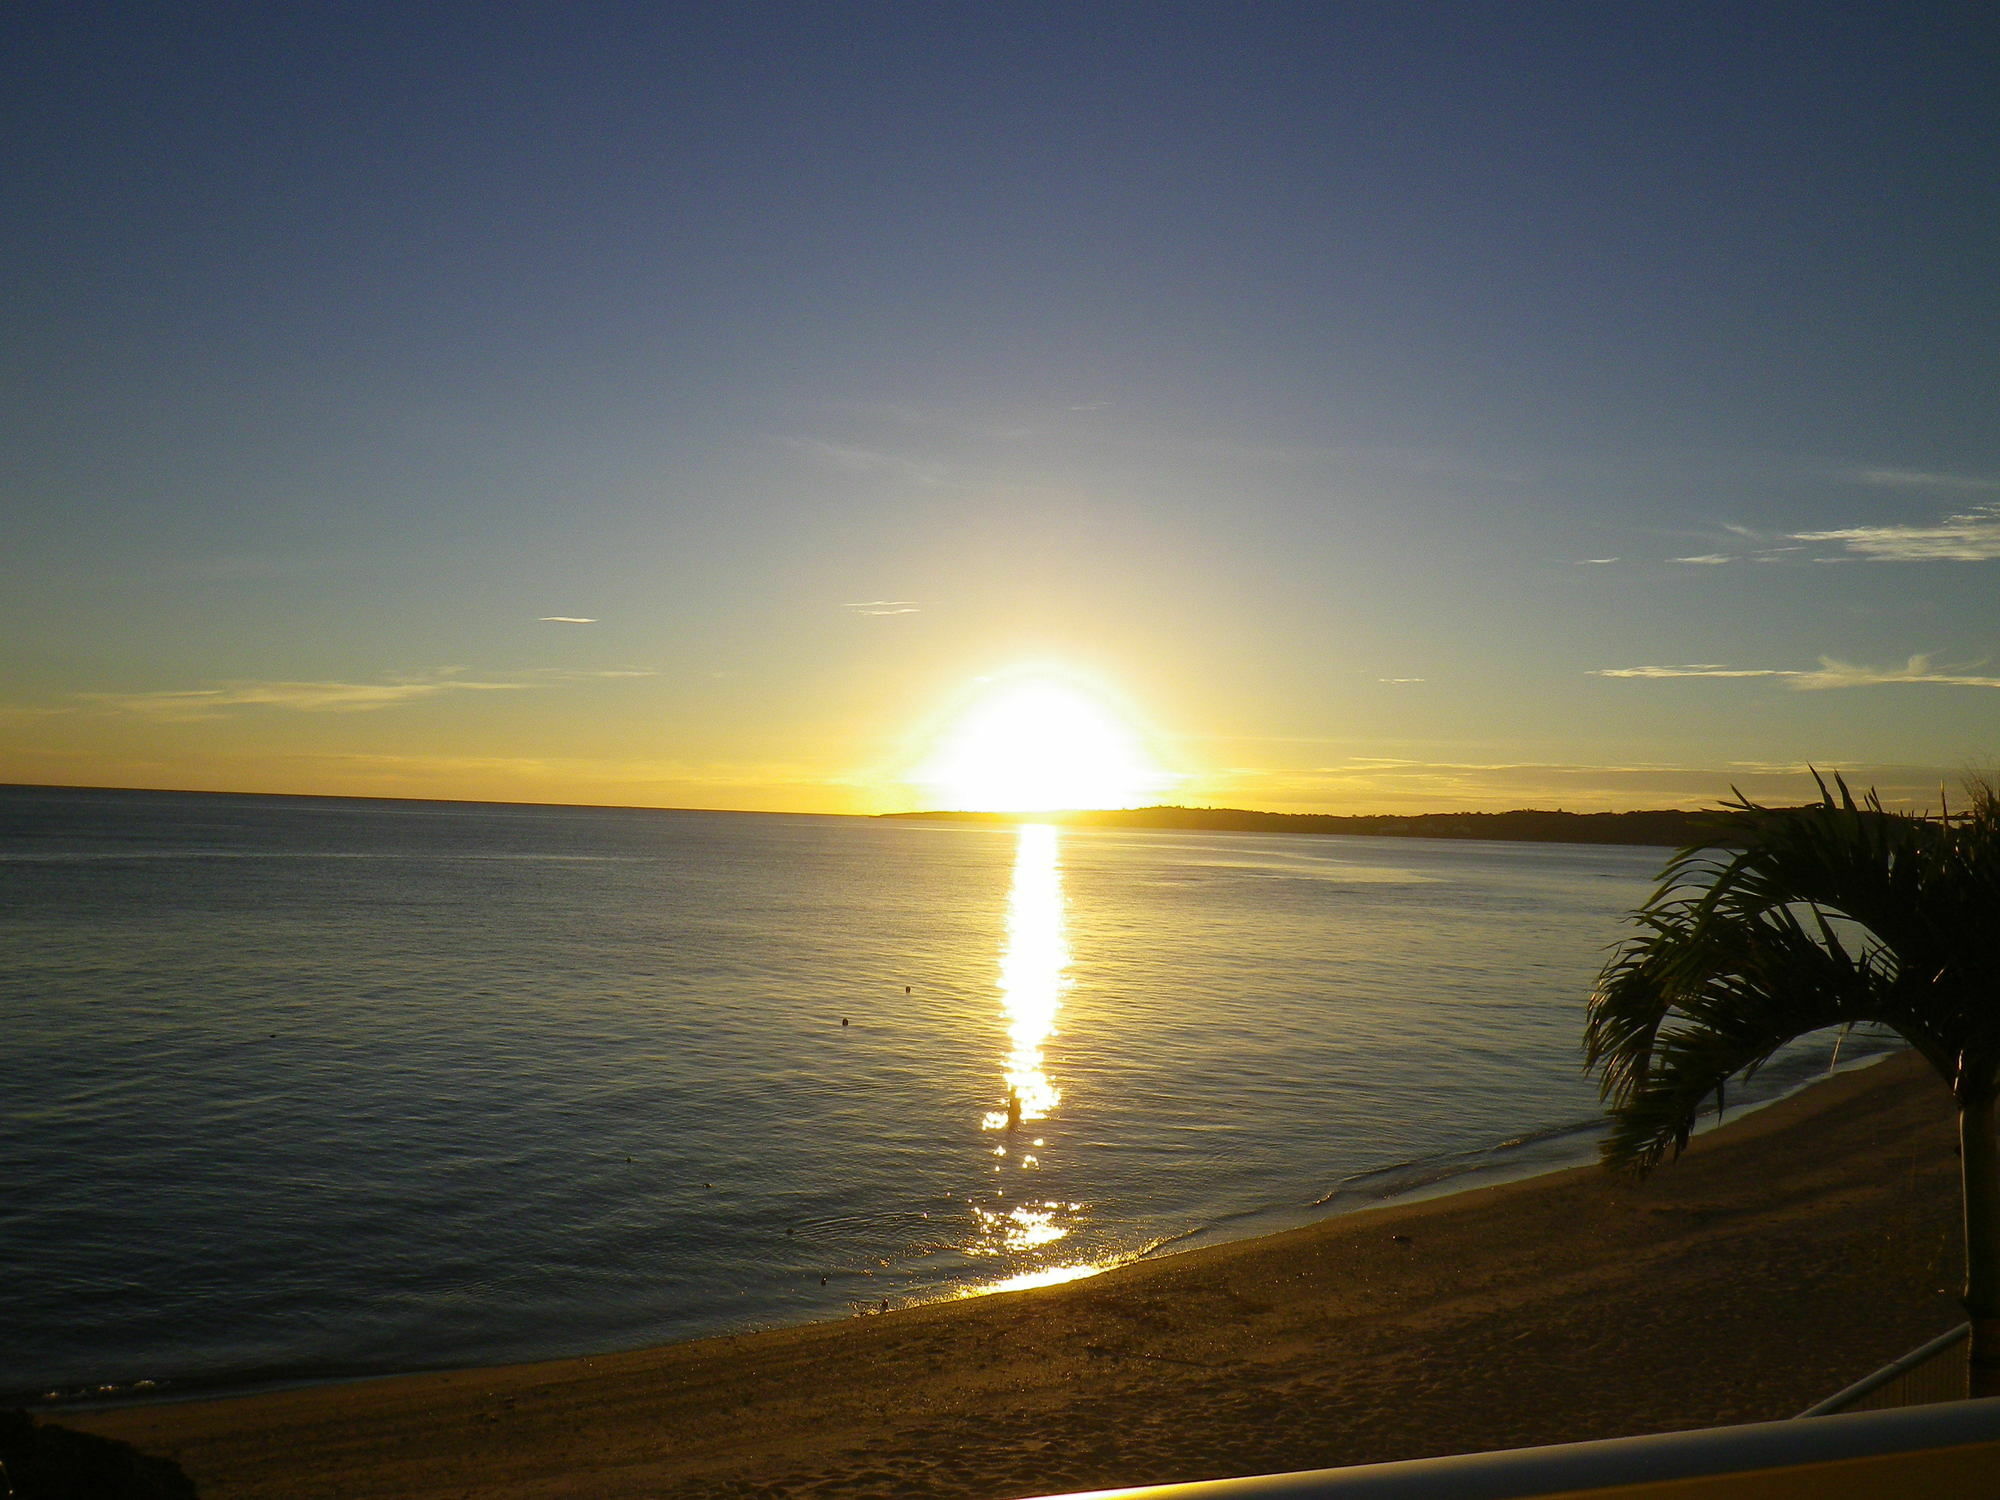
{"points": [[1034, 975], [1034, 968]]}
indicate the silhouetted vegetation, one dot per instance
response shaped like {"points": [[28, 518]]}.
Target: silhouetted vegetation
{"points": [[1671, 827]]}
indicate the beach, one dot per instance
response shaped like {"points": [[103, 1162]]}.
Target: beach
{"points": [[1785, 1255]]}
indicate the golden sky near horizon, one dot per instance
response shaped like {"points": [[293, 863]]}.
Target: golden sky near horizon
{"points": [[1031, 737]]}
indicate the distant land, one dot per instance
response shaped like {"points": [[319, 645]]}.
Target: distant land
{"points": [[1671, 827]]}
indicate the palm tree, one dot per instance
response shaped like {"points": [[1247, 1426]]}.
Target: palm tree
{"points": [[1833, 914]]}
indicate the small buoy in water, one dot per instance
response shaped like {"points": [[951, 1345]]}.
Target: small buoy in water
{"points": [[708, 1184], [1013, 1109], [885, 1304], [906, 989], [822, 1281], [1400, 1239], [843, 1020], [791, 1231]]}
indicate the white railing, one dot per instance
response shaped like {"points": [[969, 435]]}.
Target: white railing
{"points": [[1935, 1372], [1941, 1452]]}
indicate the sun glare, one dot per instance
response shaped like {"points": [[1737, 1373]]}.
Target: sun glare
{"points": [[1040, 744]]}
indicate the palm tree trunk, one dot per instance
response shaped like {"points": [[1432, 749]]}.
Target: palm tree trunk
{"points": [[1979, 1168]]}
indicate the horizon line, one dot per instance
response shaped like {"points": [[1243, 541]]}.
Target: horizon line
{"points": [[1017, 814]]}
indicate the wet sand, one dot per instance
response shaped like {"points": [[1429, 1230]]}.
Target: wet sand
{"points": [[1786, 1255]]}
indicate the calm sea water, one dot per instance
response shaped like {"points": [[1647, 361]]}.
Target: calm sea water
{"points": [[302, 1088]]}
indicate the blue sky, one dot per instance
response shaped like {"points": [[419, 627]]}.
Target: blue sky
{"points": [[1394, 406]]}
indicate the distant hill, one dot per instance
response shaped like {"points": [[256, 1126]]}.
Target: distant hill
{"points": [[1670, 827]]}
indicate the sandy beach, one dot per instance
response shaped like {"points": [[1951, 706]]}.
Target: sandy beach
{"points": [[1787, 1254]]}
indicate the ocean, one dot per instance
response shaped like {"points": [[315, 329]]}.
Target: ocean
{"points": [[311, 1088]]}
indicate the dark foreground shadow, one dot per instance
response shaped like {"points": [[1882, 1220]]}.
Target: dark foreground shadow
{"points": [[45, 1462]]}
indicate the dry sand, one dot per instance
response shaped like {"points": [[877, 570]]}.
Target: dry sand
{"points": [[1785, 1256]]}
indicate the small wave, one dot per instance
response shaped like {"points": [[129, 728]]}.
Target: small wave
{"points": [[829, 1230], [1402, 1177], [1549, 1133], [1206, 1230], [1551, 1146]]}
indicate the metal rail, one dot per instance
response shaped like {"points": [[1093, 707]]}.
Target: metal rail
{"points": [[1934, 1372], [1947, 1451]]}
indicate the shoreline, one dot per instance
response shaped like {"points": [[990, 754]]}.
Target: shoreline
{"points": [[1495, 1166], [1794, 1248]]}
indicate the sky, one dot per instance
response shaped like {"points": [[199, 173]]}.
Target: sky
{"points": [[1377, 407]]}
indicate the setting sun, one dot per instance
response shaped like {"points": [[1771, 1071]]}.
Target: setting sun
{"points": [[1035, 743]]}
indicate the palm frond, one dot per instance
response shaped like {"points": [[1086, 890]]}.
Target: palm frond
{"points": [[1688, 1008], [1830, 914]]}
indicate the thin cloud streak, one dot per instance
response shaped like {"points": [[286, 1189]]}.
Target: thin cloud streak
{"points": [[1838, 674], [565, 620], [1921, 479], [1829, 674], [885, 607], [1973, 536], [585, 674], [1693, 669], [852, 458], [690, 772], [185, 705], [1385, 784], [613, 781]]}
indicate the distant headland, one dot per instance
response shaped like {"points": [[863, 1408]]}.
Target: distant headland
{"points": [[1671, 827]]}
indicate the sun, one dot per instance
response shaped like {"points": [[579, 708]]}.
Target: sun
{"points": [[1039, 741]]}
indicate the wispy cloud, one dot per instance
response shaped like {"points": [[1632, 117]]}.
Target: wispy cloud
{"points": [[1840, 674], [626, 777], [1690, 669], [1593, 562], [1973, 536], [1920, 479], [585, 674], [565, 619], [1354, 460], [853, 458], [1399, 679], [1741, 544], [189, 704], [885, 607], [1829, 674]]}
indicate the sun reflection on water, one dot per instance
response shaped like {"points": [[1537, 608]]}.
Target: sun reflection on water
{"points": [[1027, 1227], [1049, 1276], [1033, 968], [1034, 975]]}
